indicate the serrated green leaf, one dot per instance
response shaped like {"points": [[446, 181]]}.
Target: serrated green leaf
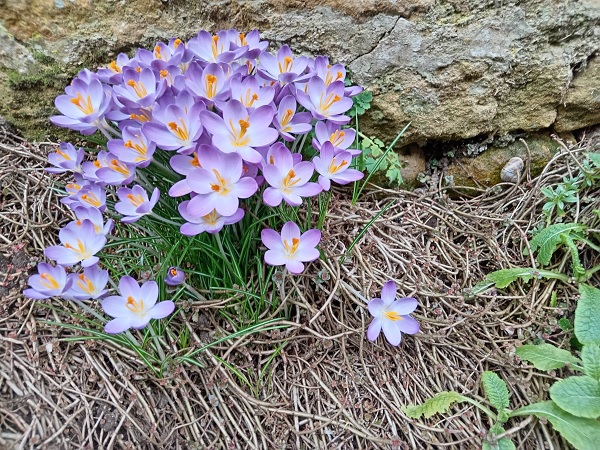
{"points": [[440, 403], [581, 433], [501, 444], [565, 324], [579, 396], [546, 356], [595, 159], [590, 355], [587, 315], [549, 238], [495, 390]]}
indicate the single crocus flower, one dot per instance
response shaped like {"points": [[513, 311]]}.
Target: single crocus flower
{"points": [[290, 248], [93, 214], [49, 282], [90, 284], [134, 203], [217, 48], [288, 122], [212, 223], [66, 159], [340, 138], [391, 315], [288, 181], [135, 306], [175, 276], [250, 92], [332, 167], [78, 245], [134, 148], [325, 102], [116, 172], [283, 67], [209, 83]]}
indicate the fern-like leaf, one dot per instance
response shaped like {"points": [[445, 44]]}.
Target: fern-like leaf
{"points": [[440, 403], [547, 240]]}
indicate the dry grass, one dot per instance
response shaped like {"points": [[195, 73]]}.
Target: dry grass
{"points": [[318, 383]]}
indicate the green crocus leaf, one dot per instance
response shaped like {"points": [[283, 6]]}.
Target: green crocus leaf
{"points": [[581, 433], [590, 355], [440, 403], [546, 356], [587, 314], [579, 396], [495, 390]]}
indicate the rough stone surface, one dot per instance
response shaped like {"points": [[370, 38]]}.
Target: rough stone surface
{"points": [[454, 68], [484, 170]]}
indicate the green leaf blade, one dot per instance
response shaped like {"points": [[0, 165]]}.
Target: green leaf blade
{"points": [[590, 355], [495, 390], [439, 403], [502, 278], [547, 240], [546, 356], [579, 396], [587, 325], [581, 433]]}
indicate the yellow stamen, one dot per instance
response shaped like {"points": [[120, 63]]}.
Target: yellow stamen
{"points": [[97, 164], [211, 86], [85, 106], [177, 43], [136, 200], [243, 39], [140, 117], [80, 249], [138, 69], [73, 187], [118, 166], [215, 48], [287, 116], [180, 131], [49, 281], [85, 284], [392, 315], [195, 161], [291, 249], [240, 140], [289, 181], [221, 188], [287, 64], [113, 66], [157, 52], [138, 87], [324, 105], [173, 272], [164, 73], [134, 306], [210, 218], [64, 155], [271, 159], [91, 199], [250, 98], [333, 167], [337, 137]]}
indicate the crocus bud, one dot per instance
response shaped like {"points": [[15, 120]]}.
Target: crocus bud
{"points": [[175, 276]]}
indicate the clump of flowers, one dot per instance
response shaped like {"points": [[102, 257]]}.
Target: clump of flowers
{"points": [[203, 142]]}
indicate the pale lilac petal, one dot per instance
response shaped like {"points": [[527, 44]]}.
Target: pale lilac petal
{"points": [[290, 231], [294, 267], [149, 293], [376, 307], [307, 254], [272, 196], [32, 293], [129, 287], [374, 330], [271, 239], [192, 229], [309, 189], [311, 238], [180, 188], [388, 292], [115, 306], [162, 309], [275, 258], [245, 187], [392, 332], [403, 306], [138, 323], [118, 325], [408, 325]]}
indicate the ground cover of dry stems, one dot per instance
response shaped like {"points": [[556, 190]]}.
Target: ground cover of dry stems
{"points": [[317, 383]]}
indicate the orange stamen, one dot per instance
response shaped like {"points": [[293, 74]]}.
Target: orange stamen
{"points": [[49, 281]]}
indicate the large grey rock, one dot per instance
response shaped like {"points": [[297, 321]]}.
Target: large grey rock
{"points": [[454, 68]]}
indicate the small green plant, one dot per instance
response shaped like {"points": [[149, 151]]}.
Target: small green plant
{"points": [[375, 158], [557, 197]]}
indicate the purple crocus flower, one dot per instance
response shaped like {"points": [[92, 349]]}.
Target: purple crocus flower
{"points": [[134, 203], [210, 84], [250, 40], [215, 49], [83, 106], [78, 245], [95, 216], [213, 222], [175, 276], [283, 67], [290, 248], [139, 89], [391, 315], [240, 132], [325, 102], [327, 72], [113, 74], [288, 122], [134, 148], [332, 132], [116, 172], [48, 282], [66, 159], [135, 306], [250, 93], [176, 126], [288, 181], [335, 167], [91, 194], [218, 183], [184, 164], [88, 285]]}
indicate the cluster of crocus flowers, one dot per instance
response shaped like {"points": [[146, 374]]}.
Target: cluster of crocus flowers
{"points": [[231, 114]]}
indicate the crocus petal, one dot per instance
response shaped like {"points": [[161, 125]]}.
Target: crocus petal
{"points": [[403, 306], [271, 239], [149, 293], [295, 267], [376, 307], [115, 306], [374, 330], [128, 287], [290, 231], [118, 325], [162, 309], [272, 196], [32, 293], [408, 325], [311, 238], [392, 332], [275, 258], [388, 292]]}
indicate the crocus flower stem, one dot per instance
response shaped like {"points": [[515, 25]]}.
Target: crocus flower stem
{"points": [[220, 244], [106, 126], [162, 219], [194, 291], [89, 310], [323, 209], [157, 343]]}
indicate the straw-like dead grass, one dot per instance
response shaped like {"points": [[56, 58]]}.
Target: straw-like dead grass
{"points": [[318, 383]]}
